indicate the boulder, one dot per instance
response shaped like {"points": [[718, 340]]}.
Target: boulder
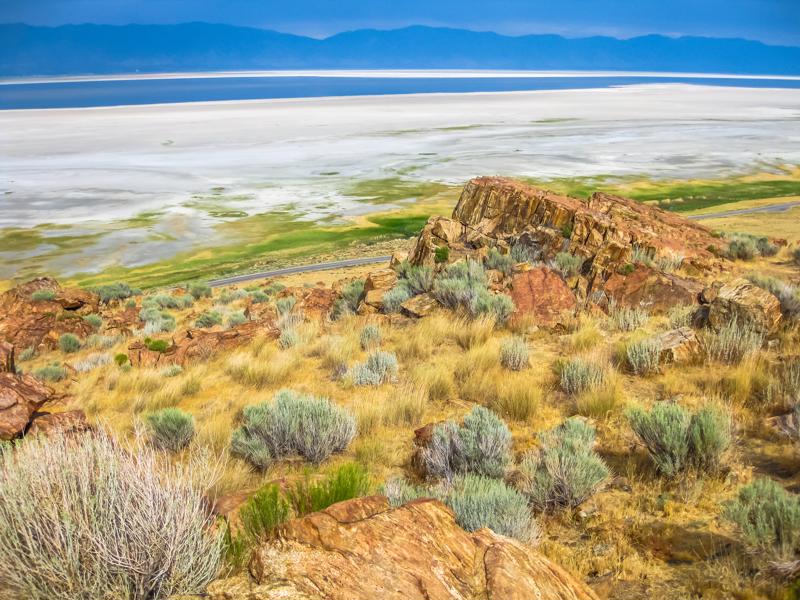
{"points": [[72, 421], [315, 302], [438, 231], [419, 306], [680, 346], [542, 294], [741, 301], [25, 322], [7, 358], [20, 397], [647, 288], [376, 285], [397, 259], [364, 549]]}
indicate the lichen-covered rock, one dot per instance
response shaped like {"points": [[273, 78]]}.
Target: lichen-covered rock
{"points": [[314, 302], [542, 295], [419, 306], [20, 397], [652, 290], [365, 550], [741, 301], [7, 358], [69, 422], [25, 322], [680, 346], [375, 286]]}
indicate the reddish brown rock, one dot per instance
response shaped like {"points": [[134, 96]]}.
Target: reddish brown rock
{"points": [[123, 322], [680, 346], [196, 345], [315, 302], [419, 306], [741, 301], [376, 285], [73, 421], [7, 358], [650, 289], [30, 323], [20, 397], [438, 231], [365, 550], [543, 295]]}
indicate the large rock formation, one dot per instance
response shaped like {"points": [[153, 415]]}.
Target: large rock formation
{"points": [[743, 302], [542, 294], [365, 550], [26, 322], [605, 231], [20, 397]]}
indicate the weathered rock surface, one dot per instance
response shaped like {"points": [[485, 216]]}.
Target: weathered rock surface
{"points": [[7, 358], [196, 345], [680, 346], [30, 323], [650, 289], [72, 421], [315, 302], [744, 302], [20, 397], [543, 295], [365, 550], [376, 285], [419, 306], [604, 231]]}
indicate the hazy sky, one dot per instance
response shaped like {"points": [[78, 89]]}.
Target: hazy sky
{"points": [[774, 21]]}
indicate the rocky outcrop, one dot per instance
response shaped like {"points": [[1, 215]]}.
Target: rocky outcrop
{"points": [[20, 397], [419, 306], [679, 346], [603, 230], [25, 322], [741, 301], [7, 358], [376, 285], [315, 302], [652, 290], [541, 294], [63, 423], [196, 345], [364, 550]]}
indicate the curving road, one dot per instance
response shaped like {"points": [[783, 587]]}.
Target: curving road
{"points": [[356, 262], [338, 264]]}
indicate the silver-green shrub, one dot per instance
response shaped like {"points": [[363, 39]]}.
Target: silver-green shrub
{"points": [[788, 294], [480, 445], [579, 375], [84, 518], [370, 336], [568, 264], [681, 315], [380, 367], [91, 362], [396, 296], [69, 343], [643, 356], [237, 318], [418, 279], [514, 354], [170, 429], [200, 290], [500, 262], [209, 318], [733, 342], [292, 424], [565, 471], [95, 320], [628, 319], [768, 517], [347, 303]]}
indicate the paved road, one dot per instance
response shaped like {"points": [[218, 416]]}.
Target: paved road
{"points": [[355, 262], [338, 264], [767, 208]]}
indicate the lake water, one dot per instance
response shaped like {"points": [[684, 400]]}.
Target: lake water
{"points": [[138, 91]]}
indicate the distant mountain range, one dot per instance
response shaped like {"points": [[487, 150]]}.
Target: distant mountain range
{"points": [[106, 49]]}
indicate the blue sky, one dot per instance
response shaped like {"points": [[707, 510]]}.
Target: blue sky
{"points": [[772, 21]]}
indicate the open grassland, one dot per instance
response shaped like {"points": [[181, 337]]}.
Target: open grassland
{"points": [[642, 536]]}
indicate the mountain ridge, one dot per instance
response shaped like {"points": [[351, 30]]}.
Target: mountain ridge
{"points": [[105, 49]]}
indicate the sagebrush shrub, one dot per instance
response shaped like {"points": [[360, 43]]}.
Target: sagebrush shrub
{"points": [[789, 295], [43, 295], [628, 319], [69, 343], [236, 318], [208, 318], [169, 371], [733, 342], [75, 525], [565, 471], [95, 320], [522, 254], [285, 305], [463, 286], [347, 303], [480, 445], [681, 315], [53, 372], [500, 262], [169, 301], [116, 291], [568, 264], [292, 423], [348, 481], [767, 516], [288, 338], [227, 296], [675, 439], [258, 297], [170, 429], [370, 336], [419, 279], [643, 356], [200, 290], [380, 367], [578, 375], [395, 297], [514, 354], [91, 362]]}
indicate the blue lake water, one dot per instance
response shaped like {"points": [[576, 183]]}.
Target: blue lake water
{"points": [[79, 94]]}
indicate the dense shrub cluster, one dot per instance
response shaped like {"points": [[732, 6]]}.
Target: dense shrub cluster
{"points": [[579, 375], [677, 440], [53, 372], [480, 445], [768, 517], [69, 343], [642, 357], [200, 290], [96, 321], [292, 424], [733, 342], [500, 262], [227, 296], [347, 304], [116, 291], [463, 285], [565, 471], [370, 337], [568, 264], [208, 318], [744, 246], [395, 297], [514, 354], [380, 367], [522, 254], [43, 295], [681, 315], [628, 319], [789, 295], [83, 518], [170, 429], [237, 318], [168, 301], [155, 319], [91, 362]]}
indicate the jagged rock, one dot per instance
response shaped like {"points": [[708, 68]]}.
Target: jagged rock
{"points": [[542, 294], [438, 231], [419, 306], [124, 321], [376, 285], [397, 259], [73, 421], [20, 397], [680, 346], [27, 323], [7, 358], [744, 302], [196, 345], [650, 289], [365, 550]]}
